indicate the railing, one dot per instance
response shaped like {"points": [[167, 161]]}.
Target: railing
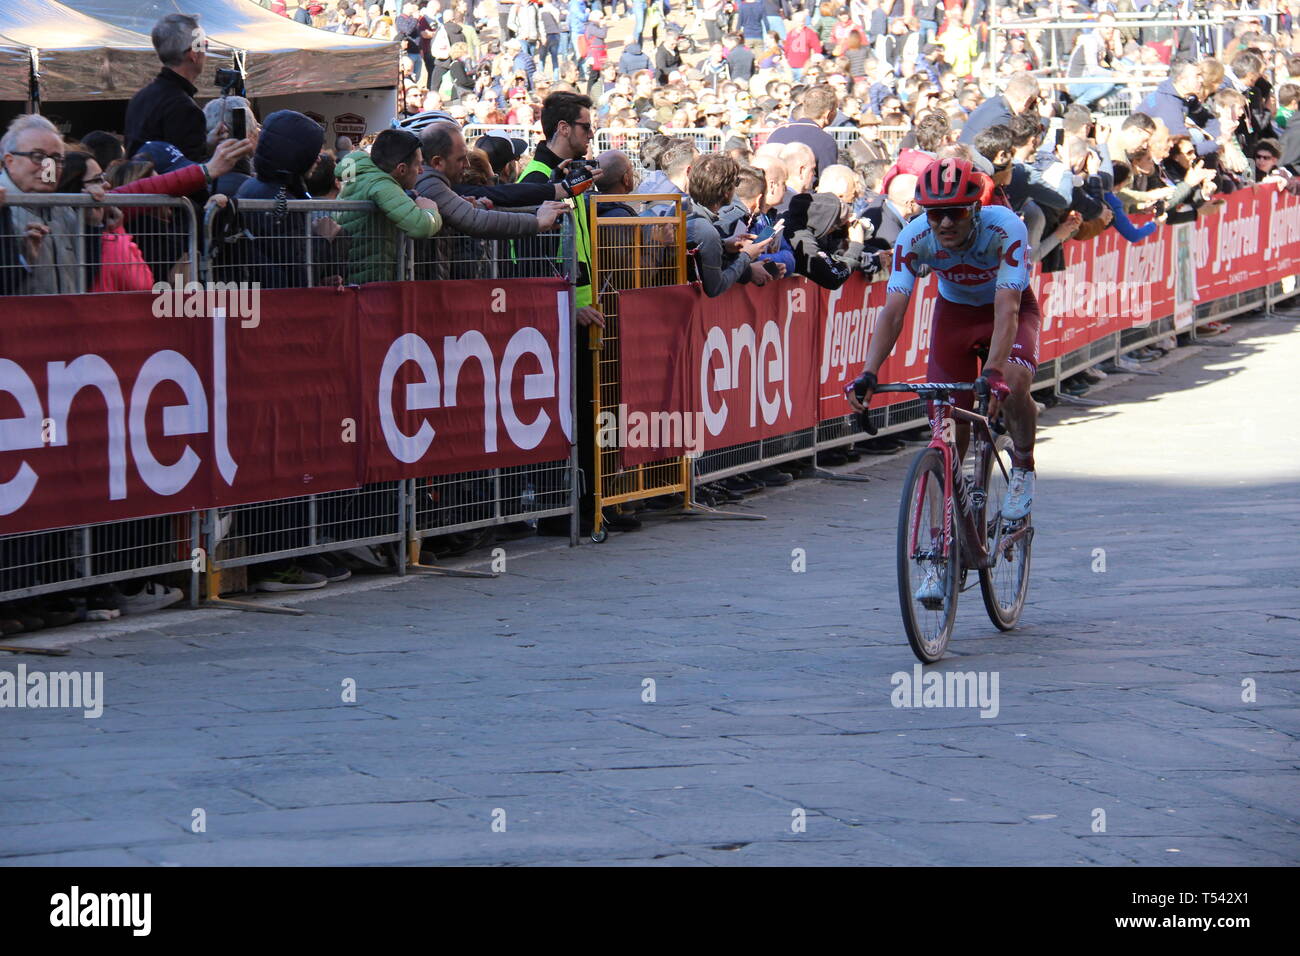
{"points": [[299, 249], [630, 253]]}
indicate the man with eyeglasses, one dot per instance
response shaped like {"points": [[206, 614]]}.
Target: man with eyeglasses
{"points": [[165, 110], [981, 259], [33, 156]]}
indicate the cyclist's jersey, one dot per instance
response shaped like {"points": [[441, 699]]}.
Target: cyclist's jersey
{"points": [[998, 258]]}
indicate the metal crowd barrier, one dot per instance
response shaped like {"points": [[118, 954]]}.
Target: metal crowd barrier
{"points": [[153, 238], [298, 249], [303, 244], [630, 138], [529, 134], [149, 239], [630, 253], [467, 501]]}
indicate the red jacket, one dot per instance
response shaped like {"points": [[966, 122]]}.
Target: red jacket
{"points": [[179, 182], [121, 266]]}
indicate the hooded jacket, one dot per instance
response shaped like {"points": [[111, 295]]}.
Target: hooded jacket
{"points": [[276, 254], [633, 59], [372, 254], [820, 253]]}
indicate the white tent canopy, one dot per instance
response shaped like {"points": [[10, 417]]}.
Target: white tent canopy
{"points": [[77, 57], [279, 56]]}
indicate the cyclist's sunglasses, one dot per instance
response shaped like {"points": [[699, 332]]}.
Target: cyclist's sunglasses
{"points": [[955, 213]]}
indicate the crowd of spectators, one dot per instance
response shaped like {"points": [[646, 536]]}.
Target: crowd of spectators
{"points": [[793, 133]]}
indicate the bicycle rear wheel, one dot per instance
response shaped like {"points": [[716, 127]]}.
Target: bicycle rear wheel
{"points": [[1005, 584], [927, 564]]}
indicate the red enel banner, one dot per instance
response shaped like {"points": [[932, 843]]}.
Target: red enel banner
{"points": [[471, 374], [722, 371], [1108, 284], [108, 411]]}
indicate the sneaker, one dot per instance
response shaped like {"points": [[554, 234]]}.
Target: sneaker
{"points": [[742, 484], [1020, 494], [773, 477], [799, 468], [292, 578], [931, 592], [152, 597], [722, 494], [1093, 375], [321, 564]]}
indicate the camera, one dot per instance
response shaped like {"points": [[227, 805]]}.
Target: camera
{"points": [[582, 173], [230, 82]]}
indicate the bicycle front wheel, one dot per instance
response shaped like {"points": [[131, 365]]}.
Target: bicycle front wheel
{"points": [[928, 558], [1005, 585]]}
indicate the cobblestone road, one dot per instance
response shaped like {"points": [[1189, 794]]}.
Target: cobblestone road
{"points": [[520, 699]]}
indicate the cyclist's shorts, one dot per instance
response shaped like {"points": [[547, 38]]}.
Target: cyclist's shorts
{"points": [[960, 331]]}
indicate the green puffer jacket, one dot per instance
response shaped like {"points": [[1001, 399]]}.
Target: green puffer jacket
{"points": [[372, 252]]}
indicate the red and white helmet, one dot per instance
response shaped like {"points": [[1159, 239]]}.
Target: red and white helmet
{"points": [[948, 182]]}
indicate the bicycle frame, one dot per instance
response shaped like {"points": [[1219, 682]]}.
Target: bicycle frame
{"points": [[944, 415]]}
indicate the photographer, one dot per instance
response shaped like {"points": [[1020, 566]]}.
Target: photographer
{"points": [[165, 109]]}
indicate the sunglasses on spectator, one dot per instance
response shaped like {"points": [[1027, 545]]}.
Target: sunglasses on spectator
{"points": [[39, 156], [1265, 156], [954, 213], [586, 126]]}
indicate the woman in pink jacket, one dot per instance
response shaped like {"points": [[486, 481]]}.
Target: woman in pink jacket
{"points": [[122, 267]]}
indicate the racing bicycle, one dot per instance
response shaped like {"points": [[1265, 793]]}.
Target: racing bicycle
{"points": [[950, 521]]}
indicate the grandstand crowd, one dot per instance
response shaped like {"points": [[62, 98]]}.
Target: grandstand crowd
{"points": [[814, 117]]}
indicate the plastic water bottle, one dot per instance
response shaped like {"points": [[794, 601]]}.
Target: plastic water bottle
{"points": [[528, 499]]}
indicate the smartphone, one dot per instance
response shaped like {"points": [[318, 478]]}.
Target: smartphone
{"points": [[770, 231], [238, 123], [1060, 136]]}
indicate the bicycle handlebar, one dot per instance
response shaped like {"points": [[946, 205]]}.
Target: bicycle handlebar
{"points": [[980, 387]]}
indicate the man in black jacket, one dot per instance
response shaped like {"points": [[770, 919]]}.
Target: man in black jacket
{"points": [[740, 59], [165, 109], [667, 57]]}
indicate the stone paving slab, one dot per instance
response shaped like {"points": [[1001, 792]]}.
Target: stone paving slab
{"points": [[1124, 690]]}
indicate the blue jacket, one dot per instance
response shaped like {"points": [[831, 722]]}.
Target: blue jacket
{"points": [[1164, 103], [1122, 222], [992, 112], [578, 11], [751, 19], [633, 59]]}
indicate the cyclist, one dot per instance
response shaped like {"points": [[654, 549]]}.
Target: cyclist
{"points": [[981, 259]]}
